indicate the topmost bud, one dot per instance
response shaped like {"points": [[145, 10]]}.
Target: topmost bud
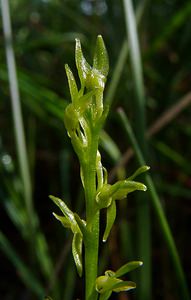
{"points": [[100, 60], [93, 77]]}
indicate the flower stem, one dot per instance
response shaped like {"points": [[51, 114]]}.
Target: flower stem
{"points": [[91, 240]]}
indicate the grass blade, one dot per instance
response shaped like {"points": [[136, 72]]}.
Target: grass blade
{"points": [[35, 236], [16, 109], [118, 69], [143, 211], [165, 229], [25, 273]]}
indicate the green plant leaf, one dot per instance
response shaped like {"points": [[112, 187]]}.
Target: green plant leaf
{"points": [[111, 215], [128, 267], [69, 221], [117, 191], [71, 121], [139, 171], [81, 223], [124, 286], [63, 220], [72, 84], [103, 197], [122, 188], [82, 65], [64, 208], [77, 252]]}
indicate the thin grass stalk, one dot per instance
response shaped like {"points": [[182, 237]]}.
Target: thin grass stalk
{"points": [[121, 62], [143, 207], [35, 237], [168, 116], [155, 200], [16, 110], [136, 64], [118, 69]]}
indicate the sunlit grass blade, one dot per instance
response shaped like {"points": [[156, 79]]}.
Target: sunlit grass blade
{"points": [[143, 211], [164, 226], [136, 64], [17, 114], [121, 62], [35, 237]]}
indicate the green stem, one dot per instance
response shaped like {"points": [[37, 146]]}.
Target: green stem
{"points": [[91, 258], [89, 173], [164, 226], [91, 240]]}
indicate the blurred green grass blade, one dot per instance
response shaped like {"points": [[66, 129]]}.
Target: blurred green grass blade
{"points": [[70, 281], [40, 99], [143, 210], [17, 114], [51, 39], [174, 156], [174, 24], [110, 147], [113, 152], [42, 253], [164, 226], [12, 200], [174, 190], [136, 64], [126, 238], [121, 62], [18, 215], [36, 238], [24, 272], [118, 69], [46, 98], [65, 167]]}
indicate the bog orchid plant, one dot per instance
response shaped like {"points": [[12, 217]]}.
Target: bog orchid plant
{"points": [[84, 118]]}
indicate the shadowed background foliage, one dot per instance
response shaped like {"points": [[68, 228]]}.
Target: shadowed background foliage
{"points": [[151, 81]]}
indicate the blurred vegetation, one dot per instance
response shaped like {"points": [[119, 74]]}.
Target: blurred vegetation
{"points": [[35, 254]]}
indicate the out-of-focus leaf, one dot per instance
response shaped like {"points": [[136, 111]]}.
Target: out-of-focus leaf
{"points": [[28, 278], [108, 144]]}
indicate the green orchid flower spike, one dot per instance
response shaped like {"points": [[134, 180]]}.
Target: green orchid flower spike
{"points": [[84, 118]]}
